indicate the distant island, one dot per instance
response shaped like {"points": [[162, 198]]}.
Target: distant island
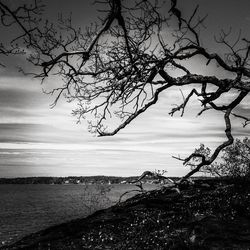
{"points": [[84, 180]]}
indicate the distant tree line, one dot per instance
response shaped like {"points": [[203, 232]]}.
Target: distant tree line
{"points": [[68, 180]]}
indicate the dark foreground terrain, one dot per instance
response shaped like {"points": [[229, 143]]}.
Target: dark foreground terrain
{"points": [[211, 214]]}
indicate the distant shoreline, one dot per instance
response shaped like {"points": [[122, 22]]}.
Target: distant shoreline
{"points": [[84, 180], [99, 179]]}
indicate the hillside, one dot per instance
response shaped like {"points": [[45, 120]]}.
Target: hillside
{"points": [[211, 214]]}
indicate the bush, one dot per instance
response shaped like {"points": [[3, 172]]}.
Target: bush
{"points": [[234, 162]]}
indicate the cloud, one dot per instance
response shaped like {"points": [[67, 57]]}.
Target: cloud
{"points": [[37, 133], [36, 140]]}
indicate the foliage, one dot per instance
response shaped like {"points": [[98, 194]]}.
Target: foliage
{"points": [[234, 162]]}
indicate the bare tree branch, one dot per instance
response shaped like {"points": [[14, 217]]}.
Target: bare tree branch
{"points": [[119, 67]]}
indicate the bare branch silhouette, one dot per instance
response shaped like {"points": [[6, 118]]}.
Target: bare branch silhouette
{"points": [[119, 68]]}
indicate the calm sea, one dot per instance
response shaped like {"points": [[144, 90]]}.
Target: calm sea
{"points": [[25, 209]]}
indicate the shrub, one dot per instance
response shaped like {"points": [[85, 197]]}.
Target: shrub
{"points": [[234, 161]]}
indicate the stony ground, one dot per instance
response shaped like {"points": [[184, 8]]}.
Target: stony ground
{"points": [[214, 214]]}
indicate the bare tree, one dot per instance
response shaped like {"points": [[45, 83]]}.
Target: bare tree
{"points": [[118, 67]]}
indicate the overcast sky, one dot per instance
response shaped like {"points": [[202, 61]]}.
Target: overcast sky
{"points": [[38, 141]]}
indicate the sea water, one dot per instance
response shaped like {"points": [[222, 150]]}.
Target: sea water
{"points": [[25, 209], [28, 208]]}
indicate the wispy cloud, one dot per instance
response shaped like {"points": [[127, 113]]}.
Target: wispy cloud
{"points": [[35, 140]]}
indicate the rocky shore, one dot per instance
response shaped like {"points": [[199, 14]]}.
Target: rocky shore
{"points": [[214, 214]]}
